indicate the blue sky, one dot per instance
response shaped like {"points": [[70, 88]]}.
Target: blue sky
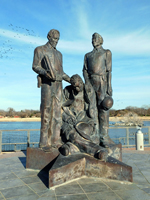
{"points": [[123, 24]]}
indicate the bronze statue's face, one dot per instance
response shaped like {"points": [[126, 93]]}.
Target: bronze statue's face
{"points": [[78, 86], [54, 39], [95, 41]]}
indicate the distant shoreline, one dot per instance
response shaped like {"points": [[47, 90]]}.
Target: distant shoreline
{"points": [[38, 119]]}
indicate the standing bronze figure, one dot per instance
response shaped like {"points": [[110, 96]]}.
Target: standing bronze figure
{"points": [[47, 63], [97, 73]]}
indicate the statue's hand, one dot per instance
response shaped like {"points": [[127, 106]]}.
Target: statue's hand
{"points": [[48, 76], [71, 121], [109, 91]]}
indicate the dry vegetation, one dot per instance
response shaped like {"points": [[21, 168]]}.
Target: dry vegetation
{"points": [[143, 111], [11, 113], [139, 114], [129, 119]]}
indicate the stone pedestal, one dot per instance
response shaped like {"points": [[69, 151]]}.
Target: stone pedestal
{"points": [[62, 169], [67, 168], [39, 159]]}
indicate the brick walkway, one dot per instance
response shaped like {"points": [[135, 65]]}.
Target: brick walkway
{"points": [[17, 183]]}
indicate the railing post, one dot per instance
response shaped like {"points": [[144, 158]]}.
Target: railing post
{"points": [[15, 147], [28, 138], [127, 134], [0, 141]]}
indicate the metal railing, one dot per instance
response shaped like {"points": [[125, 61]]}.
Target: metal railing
{"points": [[124, 140], [28, 143]]}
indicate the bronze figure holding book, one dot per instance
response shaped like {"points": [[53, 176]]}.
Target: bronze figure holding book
{"points": [[47, 63]]}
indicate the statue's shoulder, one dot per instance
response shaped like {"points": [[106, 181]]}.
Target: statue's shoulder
{"points": [[108, 52], [39, 48], [59, 52], [88, 54]]}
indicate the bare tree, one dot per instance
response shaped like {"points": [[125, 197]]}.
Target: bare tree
{"points": [[10, 112]]}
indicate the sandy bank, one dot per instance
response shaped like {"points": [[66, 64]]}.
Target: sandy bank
{"points": [[143, 118], [33, 119], [36, 119]]}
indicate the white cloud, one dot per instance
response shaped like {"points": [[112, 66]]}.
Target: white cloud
{"points": [[78, 46], [137, 42], [81, 13], [134, 43], [21, 37]]}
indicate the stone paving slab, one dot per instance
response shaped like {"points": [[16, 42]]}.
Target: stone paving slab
{"points": [[17, 183]]}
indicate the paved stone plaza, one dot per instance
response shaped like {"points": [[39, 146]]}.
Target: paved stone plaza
{"points": [[17, 183]]}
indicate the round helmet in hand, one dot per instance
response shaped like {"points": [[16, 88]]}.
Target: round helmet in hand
{"points": [[107, 103]]}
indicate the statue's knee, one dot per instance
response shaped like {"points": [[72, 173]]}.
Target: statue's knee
{"points": [[72, 135]]}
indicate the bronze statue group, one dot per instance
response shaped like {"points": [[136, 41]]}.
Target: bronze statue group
{"points": [[75, 119]]}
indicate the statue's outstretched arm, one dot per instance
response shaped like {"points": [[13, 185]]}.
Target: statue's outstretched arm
{"points": [[65, 77], [109, 69]]}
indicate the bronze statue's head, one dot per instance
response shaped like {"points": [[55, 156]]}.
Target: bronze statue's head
{"points": [[76, 82], [53, 37], [97, 40]]}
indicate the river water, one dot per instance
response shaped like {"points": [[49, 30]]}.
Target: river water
{"points": [[16, 137]]}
